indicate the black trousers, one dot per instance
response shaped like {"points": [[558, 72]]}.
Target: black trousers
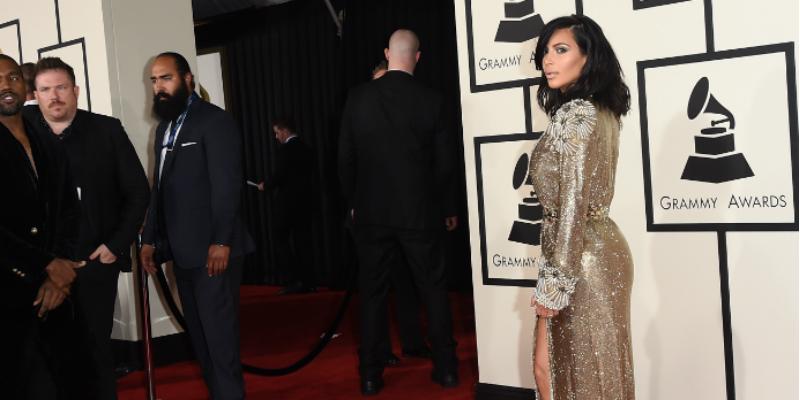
{"points": [[95, 294], [378, 249], [211, 310], [26, 371], [40, 359], [294, 246], [407, 308]]}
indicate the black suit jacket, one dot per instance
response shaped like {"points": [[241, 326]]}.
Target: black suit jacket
{"points": [[38, 215], [292, 180], [396, 160], [114, 191], [196, 202]]}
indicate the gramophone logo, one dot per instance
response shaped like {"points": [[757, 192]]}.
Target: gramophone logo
{"points": [[716, 159], [502, 37], [734, 165], [528, 226], [521, 23], [509, 213]]}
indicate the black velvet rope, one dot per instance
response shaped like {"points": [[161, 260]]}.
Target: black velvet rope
{"points": [[302, 362]]}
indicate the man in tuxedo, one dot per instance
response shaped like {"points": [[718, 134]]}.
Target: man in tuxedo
{"points": [[38, 217], [113, 193], [195, 219], [291, 183], [396, 168]]}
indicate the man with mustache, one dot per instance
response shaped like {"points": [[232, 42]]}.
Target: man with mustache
{"points": [[113, 193], [195, 219], [38, 217]]}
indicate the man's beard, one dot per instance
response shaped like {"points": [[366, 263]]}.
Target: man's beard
{"points": [[13, 109], [169, 107]]}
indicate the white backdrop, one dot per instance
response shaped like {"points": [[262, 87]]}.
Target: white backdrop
{"points": [[715, 297]]}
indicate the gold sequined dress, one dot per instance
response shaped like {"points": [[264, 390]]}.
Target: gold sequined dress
{"points": [[586, 269]]}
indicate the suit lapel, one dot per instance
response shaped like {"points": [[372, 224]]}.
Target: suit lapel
{"points": [[160, 132], [79, 134], [184, 134], [14, 153], [41, 157]]}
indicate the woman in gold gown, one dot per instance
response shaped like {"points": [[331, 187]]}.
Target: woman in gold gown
{"points": [[582, 298]]}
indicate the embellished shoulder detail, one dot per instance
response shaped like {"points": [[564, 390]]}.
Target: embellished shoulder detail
{"points": [[574, 121]]}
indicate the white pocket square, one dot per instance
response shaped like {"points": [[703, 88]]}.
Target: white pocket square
{"points": [[188, 144]]}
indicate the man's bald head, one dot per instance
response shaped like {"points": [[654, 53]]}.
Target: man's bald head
{"points": [[403, 51]]}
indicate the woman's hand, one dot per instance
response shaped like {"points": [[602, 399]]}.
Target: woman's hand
{"points": [[541, 310]]}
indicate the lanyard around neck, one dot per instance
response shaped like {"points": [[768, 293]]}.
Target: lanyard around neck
{"points": [[174, 128]]}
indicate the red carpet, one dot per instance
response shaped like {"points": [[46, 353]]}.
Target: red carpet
{"points": [[278, 330]]}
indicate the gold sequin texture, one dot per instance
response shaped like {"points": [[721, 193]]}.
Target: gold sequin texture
{"points": [[573, 168]]}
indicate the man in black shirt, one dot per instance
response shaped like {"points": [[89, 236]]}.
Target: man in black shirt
{"points": [[113, 194]]}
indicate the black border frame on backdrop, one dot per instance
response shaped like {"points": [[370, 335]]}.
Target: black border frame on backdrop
{"points": [[69, 43], [19, 35], [58, 21], [721, 229], [479, 141], [641, 66], [473, 86], [643, 4], [489, 391]]}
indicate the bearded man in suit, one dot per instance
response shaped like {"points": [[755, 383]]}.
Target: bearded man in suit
{"points": [[195, 219]]}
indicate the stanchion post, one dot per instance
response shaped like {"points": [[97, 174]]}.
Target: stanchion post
{"points": [[147, 340]]}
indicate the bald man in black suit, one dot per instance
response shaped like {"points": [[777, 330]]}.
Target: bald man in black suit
{"points": [[396, 166]]}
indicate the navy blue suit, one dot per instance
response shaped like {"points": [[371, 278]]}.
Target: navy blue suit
{"points": [[196, 203]]}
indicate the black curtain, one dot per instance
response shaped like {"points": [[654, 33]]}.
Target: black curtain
{"points": [[368, 24], [289, 60]]}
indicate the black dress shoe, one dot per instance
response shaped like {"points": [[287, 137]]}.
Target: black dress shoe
{"points": [[391, 360], [446, 379], [421, 352], [371, 387]]}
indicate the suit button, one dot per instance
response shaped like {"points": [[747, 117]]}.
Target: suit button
{"points": [[34, 230]]}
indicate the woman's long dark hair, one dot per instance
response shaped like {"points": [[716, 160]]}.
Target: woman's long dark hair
{"points": [[601, 78]]}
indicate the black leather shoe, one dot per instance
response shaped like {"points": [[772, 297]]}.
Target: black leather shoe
{"points": [[371, 387], [391, 360], [422, 352], [447, 379]]}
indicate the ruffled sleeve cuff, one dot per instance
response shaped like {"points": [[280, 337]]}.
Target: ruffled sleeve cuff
{"points": [[554, 288]]}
